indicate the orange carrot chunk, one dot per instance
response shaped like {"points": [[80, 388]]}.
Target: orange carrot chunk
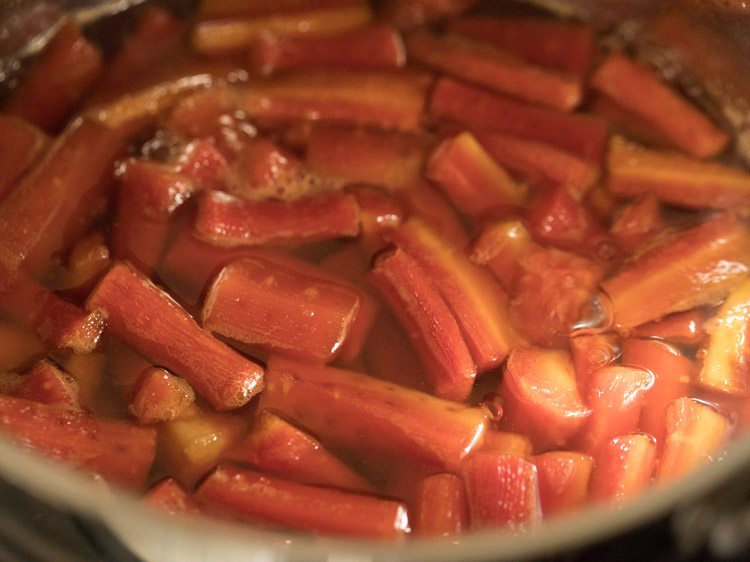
{"points": [[725, 360], [281, 310], [380, 417], [590, 352], [563, 480], [67, 67], [683, 328], [584, 136], [502, 491], [120, 452], [158, 396], [255, 497], [147, 318], [276, 447], [427, 321], [637, 222], [372, 47], [440, 508], [541, 397], [623, 467], [696, 434], [470, 177], [507, 443], [500, 246], [48, 384], [654, 284], [645, 97], [227, 221], [674, 178]]}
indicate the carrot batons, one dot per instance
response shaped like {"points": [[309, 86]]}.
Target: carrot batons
{"points": [[20, 145], [380, 417], [255, 497], [227, 221], [276, 447], [675, 179], [67, 67], [563, 480], [158, 396], [654, 284], [280, 310], [502, 491], [118, 451], [725, 358], [640, 92], [623, 467], [485, 64], [48, 384], [541, 397], [147, 318], [372, 47], [427, 321]]}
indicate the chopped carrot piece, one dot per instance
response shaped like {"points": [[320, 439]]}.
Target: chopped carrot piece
{"points": [[378, 98], [170, 496], [255, 497], [477, 301], [48, 384], [146, 317], [478, 110], [234, 34], [696, 434], [725, 359], [278, 309], [55, 202], [391, 161], [507, 443], [623, 467], [483, 63], [381, 418], [67, 67], [87, 260], [640, 92], [440, 508], [673, 373], [120, 452], [159, 396], [590, 352], [674, 178], [502, 491], [563, 45], [202, 162], [194, 442], [371, 47], [541, 397], [683, 328], [379, 214], [654, 284], [425, 200], [470, 177], [616, 395], [276, 447], [62, 325], [563, 480], [21, 143], [228, 221], [541, 163], [427, 321]]}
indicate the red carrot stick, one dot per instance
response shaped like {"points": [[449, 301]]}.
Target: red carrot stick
{"points": [[381, 418], [427, 321], [440, 507], [147, 318], [120, 452], [48, 384], [623, 467], [274, 446], [255, 497], [21, 143], [281, 310], [158, 395], [563, 480]]}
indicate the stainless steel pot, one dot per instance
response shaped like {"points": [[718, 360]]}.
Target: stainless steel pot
{"points": [[719, 75]]}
